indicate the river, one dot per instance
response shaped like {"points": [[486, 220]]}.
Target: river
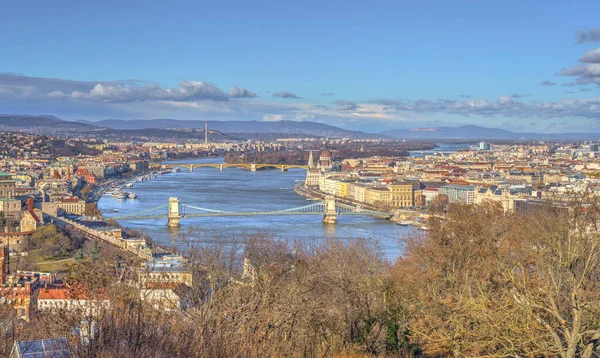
{"points": [[442, 148], [242, 190]]}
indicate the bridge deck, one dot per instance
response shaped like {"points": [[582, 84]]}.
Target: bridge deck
{"points": [[189, 211], [231, 214]]}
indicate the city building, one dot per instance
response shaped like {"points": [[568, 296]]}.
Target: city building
{"points": [[459, 194], [401, 195], [484, 146], [72, 205], [7, 186]]}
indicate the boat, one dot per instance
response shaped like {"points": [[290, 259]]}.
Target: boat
{"points": [[120, 194], [131, 195], [116, 210], [128, 185], [175, 170], [405, 223]]}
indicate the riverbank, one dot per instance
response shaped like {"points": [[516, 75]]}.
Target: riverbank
{"points": [[237, 190], [403, 217], [302, 189]]}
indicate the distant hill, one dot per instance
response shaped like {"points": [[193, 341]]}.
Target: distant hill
{"points": [[279, 127], [42, 123], [164, 134], [474, 132]]}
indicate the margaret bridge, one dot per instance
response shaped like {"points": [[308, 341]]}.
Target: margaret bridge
{"points": [[174, 211], [252, 166]]}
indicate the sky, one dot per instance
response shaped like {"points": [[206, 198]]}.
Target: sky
{"points": [[526, 66]]}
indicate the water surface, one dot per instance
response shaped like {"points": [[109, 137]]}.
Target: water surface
{"points": [[242, 190]]}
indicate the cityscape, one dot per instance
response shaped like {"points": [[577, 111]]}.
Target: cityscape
{"points": [[354, 198]]}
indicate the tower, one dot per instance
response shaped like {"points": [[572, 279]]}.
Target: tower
{"points": [[174, 217], [311, 162], [68, 174], [206, 132], [325, 162], [330, 215]]}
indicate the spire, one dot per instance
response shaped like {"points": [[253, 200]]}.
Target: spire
{"points": [[311, 162]]}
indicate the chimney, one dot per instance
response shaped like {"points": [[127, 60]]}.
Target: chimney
{"points": [[30, 204]]}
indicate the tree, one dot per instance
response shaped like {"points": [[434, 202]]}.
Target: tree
{"points": [[95, 251], [555, 279]]}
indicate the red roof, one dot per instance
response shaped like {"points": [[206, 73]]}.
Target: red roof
{"points": [[54, 294], [35, 217]]}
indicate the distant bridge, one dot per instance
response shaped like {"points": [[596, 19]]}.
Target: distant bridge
{"points": [[175, 211], [252, 166]]}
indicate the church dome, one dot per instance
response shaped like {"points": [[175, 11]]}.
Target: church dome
{"points": [[326, 153]]}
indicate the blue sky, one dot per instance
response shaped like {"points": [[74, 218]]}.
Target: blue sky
{"points": [[361, 65]]}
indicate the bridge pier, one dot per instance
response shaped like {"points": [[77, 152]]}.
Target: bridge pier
{"points": [[330, 215], [191, 168], [174, 217], [253, 167], [283, 169], [221, 167]]}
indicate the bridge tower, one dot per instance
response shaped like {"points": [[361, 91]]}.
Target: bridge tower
{"points": [[330, 215], [174, 217]]}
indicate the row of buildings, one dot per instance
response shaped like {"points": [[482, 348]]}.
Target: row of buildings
{"points": [[508, 174]]}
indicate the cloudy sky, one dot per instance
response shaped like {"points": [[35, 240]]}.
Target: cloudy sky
{"points": [[368, 65]]}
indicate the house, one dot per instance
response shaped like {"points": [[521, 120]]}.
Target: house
{"points": [[72, 298], [31, 218]]}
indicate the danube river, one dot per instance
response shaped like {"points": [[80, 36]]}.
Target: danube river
{"points": [[242, 190]]}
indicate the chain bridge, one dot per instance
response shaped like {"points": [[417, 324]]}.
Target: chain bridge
{"points": [[174, 211], [252, 166]]}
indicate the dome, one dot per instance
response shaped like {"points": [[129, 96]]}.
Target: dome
{"points": [[326, 153]]}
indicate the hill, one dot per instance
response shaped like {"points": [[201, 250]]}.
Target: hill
{"points": [[474, 132], [42, 124], [276, 127]]}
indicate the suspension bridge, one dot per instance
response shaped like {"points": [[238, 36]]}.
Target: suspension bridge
{"points": [[252, 166], [174, 211]]}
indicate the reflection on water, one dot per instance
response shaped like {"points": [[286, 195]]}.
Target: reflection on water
{"points": [[242, 190]]}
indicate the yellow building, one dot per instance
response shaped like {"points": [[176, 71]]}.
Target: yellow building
{"points": [[379, 196], [71, 205], [341, 189], [401, 195]]}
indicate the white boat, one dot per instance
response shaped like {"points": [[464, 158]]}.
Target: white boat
{"points": [[131, 195], [120, 194], [129, 185], [175, 170], [405, 223], [116, 210]]}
